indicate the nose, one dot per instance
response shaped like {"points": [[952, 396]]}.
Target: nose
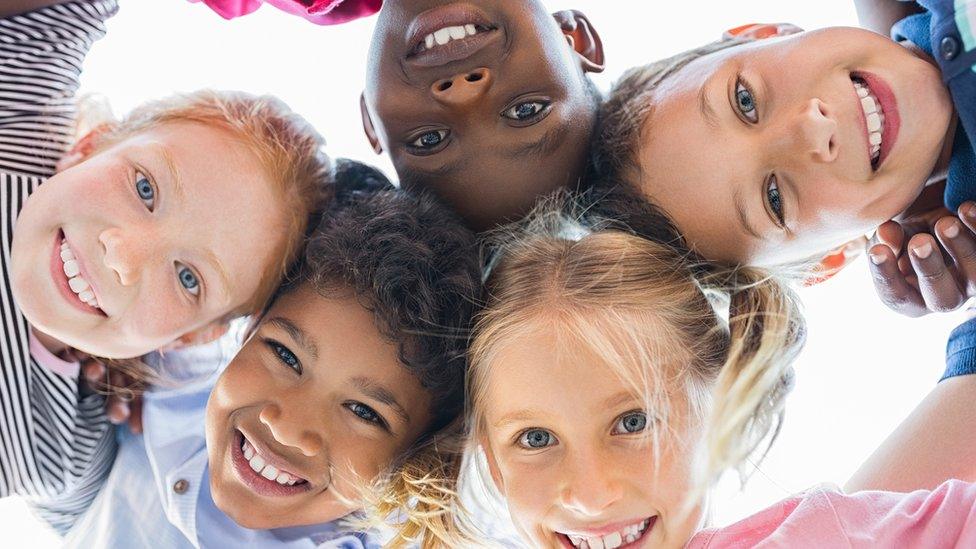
{"points": [[590, 486], [462, 89], [126, 252], [815, 132], [290, 430]]}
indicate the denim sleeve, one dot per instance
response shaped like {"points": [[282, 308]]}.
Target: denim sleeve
{"points": [[961, 351]]}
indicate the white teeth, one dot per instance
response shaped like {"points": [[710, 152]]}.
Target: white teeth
{"points": [[266, 470], [429, 41], [868, 104], [86, 296], [861, 90], [445, 35], [874, 124], [873, 117], [269, 472], [66, 254], [71, 268], [874, 138], [442, 36], [612, 541], [256, 463], [248, 453], [78, 284], [282, 478], [457, 33], [469, 28]]}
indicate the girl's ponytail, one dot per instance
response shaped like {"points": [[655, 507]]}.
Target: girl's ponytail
{"points": [[766, 332]]}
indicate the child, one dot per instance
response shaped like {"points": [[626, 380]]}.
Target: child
{"points": [[485, 103], [809, 140], [122, 252], [321, 12], [606, 394], [357, 368]]}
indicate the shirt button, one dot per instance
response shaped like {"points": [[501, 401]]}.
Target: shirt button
{"points": [[949, 48], [181, 486]]}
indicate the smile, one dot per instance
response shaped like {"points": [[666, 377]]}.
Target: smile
{"points": [[263, 471], [879, 114], [448, 34], [68, 276], [624, 537]]}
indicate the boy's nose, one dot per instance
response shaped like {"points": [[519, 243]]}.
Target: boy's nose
{"points": [[291, 430], [462, 89]]}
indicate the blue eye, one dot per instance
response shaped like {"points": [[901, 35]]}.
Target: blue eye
{"points": [[526, 111], [536, 438], [145, 191], [188, 279], [430, 140], [366, 413], [746, 102], [284, 355], [775, 199], [632, 422]]}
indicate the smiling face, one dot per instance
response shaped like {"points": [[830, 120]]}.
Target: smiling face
{"points": [[315, 401], [124, 252], [576, 461], [780, 149], [485, 103]]}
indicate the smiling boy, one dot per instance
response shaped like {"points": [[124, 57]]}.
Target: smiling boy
{"points": [[486, 103]]}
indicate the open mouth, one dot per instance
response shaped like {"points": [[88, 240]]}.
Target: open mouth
{"points": [[444, 36], [626, 537], [879, 115], [260, 470], [447, 34], [69, 277]]}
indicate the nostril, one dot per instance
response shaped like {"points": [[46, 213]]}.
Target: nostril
{"points": [[474, 77], [445, 85]]}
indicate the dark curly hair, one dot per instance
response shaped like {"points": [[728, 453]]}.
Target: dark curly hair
{"points": [[412, 263]]}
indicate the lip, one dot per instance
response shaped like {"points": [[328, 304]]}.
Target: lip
{"points": [[457, 14], [889, 106], [257, 483], [61, 280], [608, 529]]}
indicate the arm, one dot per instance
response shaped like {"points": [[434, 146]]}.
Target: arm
{"points": [[14, 7], [880, 15]]}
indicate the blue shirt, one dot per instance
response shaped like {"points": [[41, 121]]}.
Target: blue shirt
{"points": [[961, 351], [158, 493], [947, 32]]}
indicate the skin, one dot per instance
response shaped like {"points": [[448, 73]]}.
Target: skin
{"points": [[593, 472], [805, 131], [320, 420], [483, 164], [134, 249]]}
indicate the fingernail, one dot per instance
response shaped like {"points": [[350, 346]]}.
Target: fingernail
{"points": [[877, 259], [952, 230], [969, 210], [922, 251]]}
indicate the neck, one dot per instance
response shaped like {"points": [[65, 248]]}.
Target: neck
{"points": [[57, 347], [941, 169]]}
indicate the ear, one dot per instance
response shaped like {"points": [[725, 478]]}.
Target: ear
{"points": [[758, 31], [835, 260], [496, 475], [583, 38], [83, 148], [208, 333], [368, 128]]}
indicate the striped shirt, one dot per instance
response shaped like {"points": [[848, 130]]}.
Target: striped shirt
{"points": [[56, 445]]}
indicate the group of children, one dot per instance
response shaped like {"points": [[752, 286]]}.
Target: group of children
{"points": [[555, 294]]}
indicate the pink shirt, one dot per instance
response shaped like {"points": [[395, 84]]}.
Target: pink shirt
{"points": [[49, 360], [322, 12], [826, 517]]}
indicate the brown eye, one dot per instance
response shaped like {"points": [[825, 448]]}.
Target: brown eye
{"points": [[430, 139]]}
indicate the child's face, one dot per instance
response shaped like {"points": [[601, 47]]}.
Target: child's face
{"points": [[569, 447], [146, 244], [488, 122], [762, 153], [317, 396]]}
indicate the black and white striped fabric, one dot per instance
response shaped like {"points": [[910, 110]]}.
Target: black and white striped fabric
{"points": [[56, 446]]}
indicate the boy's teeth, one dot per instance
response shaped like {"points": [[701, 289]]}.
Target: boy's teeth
{"points": [[873, 116], [269, 472], [445, 35], [264, 469]]}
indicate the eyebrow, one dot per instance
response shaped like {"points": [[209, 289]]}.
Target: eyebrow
{"points": [[705, 106], [521, 415], [378, 392], [297, 334], [616, 400], [544, 146], [174, 173], [740, 210], [218, 267]]}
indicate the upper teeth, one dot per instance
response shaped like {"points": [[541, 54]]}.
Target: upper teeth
{"points": [[76, 282], [874, 117], [266, 470], [445, 35], [628, 534]]}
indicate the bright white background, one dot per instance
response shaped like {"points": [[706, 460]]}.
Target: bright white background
{"points": [[864, 368]]}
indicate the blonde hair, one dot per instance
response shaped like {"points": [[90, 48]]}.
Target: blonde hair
{"points": [[628, 299]]}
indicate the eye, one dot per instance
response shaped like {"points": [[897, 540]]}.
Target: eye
{"points": [[775, 200], [536, 438], [429, 141], [366, 413], [188, 279], [284, 355], [629, 423], [745, 101], [146, 191], [527, 111]]}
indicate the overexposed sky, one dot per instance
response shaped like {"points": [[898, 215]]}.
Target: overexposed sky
{"points": [[864, 367]]}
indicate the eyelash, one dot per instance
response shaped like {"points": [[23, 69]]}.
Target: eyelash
{"points": [[377, 420], [626, 415], [523, 444], [545, 107], [151, 188], [775, 205], [284, 355], [417, 148], [743, 87]]}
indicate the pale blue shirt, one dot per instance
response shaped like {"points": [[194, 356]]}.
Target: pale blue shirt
{"points": [[158, 492]]}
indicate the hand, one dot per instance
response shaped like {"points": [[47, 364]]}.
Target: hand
{"points": [[916, 273], [123, 403]]}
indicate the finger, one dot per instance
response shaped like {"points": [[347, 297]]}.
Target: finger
{"points": [[94, 371], [892, 234], [936, 283], [890, 284], [117, 410], [135, 416], [967, 214], [960, 242]]}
